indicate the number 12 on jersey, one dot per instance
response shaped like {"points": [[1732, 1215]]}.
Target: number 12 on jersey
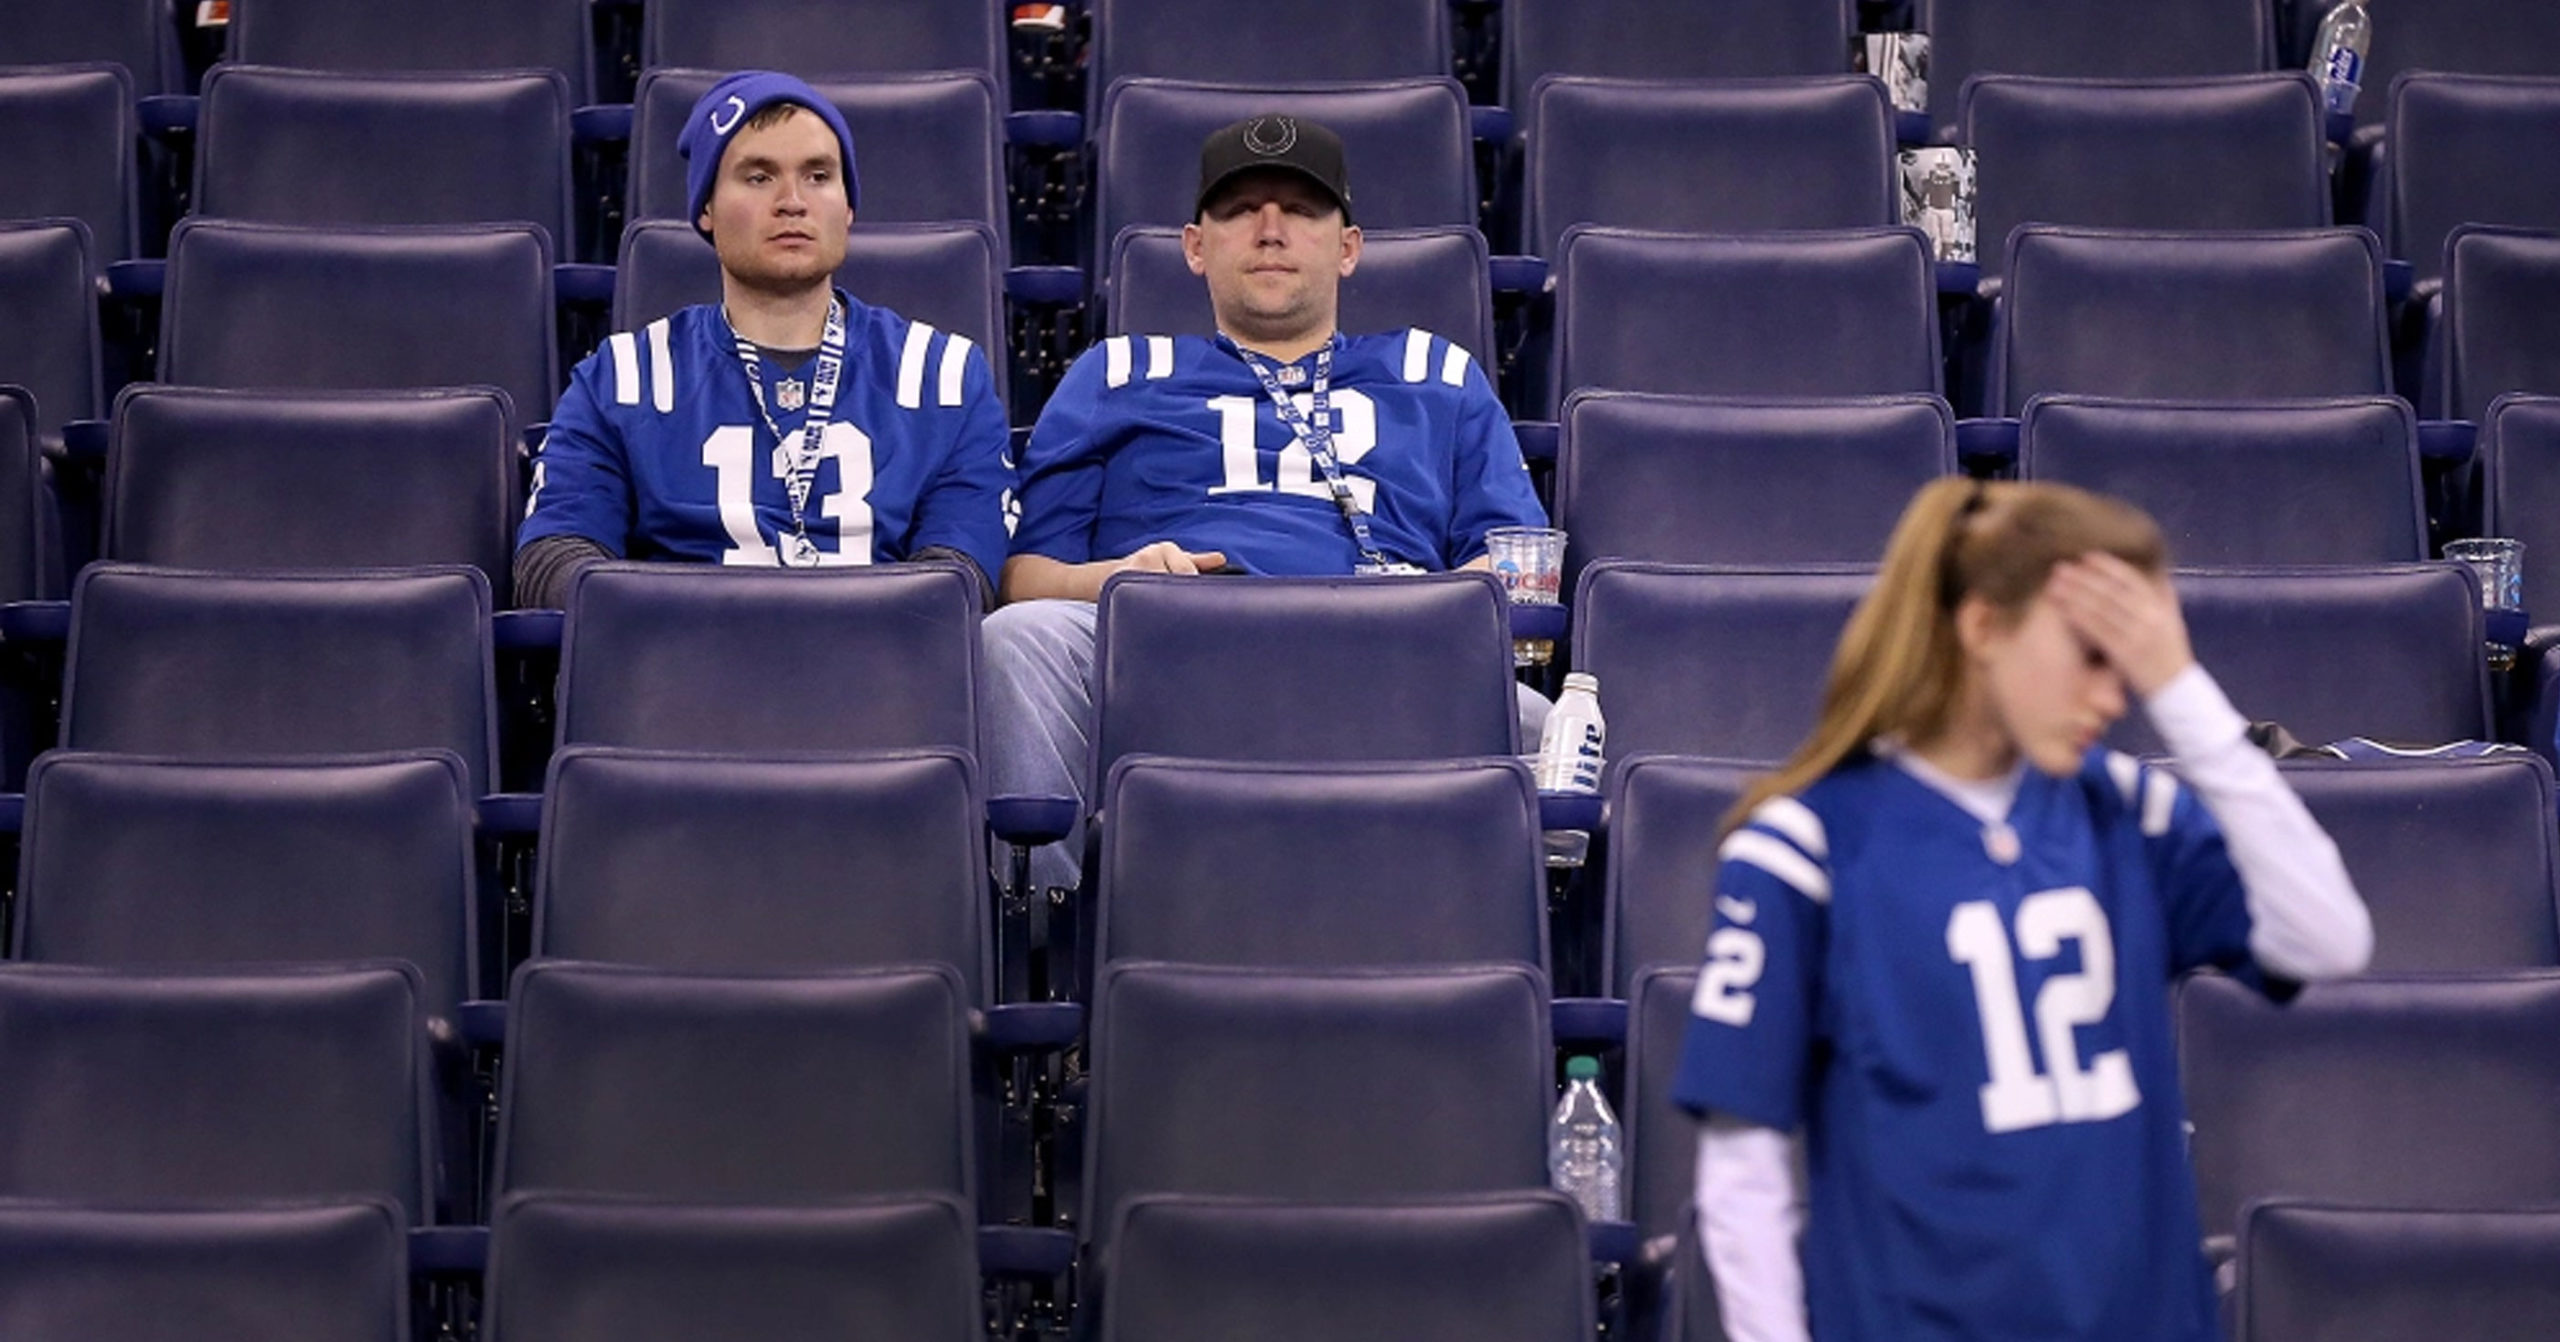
{"points": [[2018, 1096]]}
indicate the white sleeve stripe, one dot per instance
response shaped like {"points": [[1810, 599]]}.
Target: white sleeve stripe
{"points": [[955, 367], [1159, 356], [1778, 860], [1115, 361], [1417, 354], [625, 349], [1453, 367], [911, 366], [2159, 794], [662, 369], [1795, 820], [2128, 775]]}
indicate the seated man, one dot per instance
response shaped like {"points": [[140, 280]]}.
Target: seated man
{"points": [[1280, 446], [787, 424]]}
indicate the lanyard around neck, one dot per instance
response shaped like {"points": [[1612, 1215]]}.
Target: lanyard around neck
{"points": [[1314, 429], [799, 470]]}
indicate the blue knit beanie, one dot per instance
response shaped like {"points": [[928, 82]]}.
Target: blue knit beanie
{"points": [[730, 104]]}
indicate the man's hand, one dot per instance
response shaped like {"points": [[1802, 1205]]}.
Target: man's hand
{"points": [[1167, 557], [1030, 576], [2128, 615]]}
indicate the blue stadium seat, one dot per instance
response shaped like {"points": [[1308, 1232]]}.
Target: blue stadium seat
{"points": [[212, 479], [140, 35], [468, 35], [1219, 43], [263, 305], [1662, 1139], [1502, 1268], [201, 665], [1734, 480], [30, 567], [2089, 41], [821, 38], [134, 860], [335, 1272], [1728, 156], [585, 1269], [2501, 329], [2362, 1274], [67, 133], [2480, 37], [2271, 482], [178, 1088], [1666, 818], [2190, 316], [1645, 39], [1321, 865], [2467, 149], [2520, 449], [1433, 278], [1844, 313], [2221, 152], [49, 345], [283, 146]]}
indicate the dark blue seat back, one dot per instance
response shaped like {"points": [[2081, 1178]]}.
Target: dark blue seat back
{"points": [[203, 665], [175, 1088], [2484, 37], [2501, 316], [1843, 313], [49, 345], [1731, 156], [579, 1269], [327, 1273], [263, 305], [205, 478], [472, 35], [2191, 316], [133, 860], [2220, 152], [1433, 278], [2089, 41], [2467, 149], [2274, 482], [2362, 1274], [67, 133], [1428, 661], [1234, 1082], [818, 38], [2520, 444], [1698, 660], [2414, 1093], [1645, 39], [1666, 819], [29, 568], [1662, 1138], [1714, 480], [1509, 1267], [1214, 42], [744, 1090], [139, 35], [743, 661]]}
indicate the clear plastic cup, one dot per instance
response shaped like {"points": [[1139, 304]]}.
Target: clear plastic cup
{"points": [[2498, 563], [1529, 561]]}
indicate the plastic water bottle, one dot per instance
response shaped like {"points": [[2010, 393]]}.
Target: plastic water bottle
{"points": [[2337, 55], [1585, 1157], [1569, 758]]}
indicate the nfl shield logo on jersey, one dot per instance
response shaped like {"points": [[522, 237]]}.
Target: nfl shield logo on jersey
{"points": [[790, 393]]}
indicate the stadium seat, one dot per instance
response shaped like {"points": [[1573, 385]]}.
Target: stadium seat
{"points": [[133, 860], [2310, 1270], [202, 665], [67, 134], [1218, 43], [1666, 819], [2089, 41], [2467, 149], [335, 1272], [1842, 313], [765, 1090], [820, 39], [1330, 865], [1730, 156], [2240, 152], [213, 479], [471, 35], [262, 305], [2456, 858], [30, 570], [2501, 316], [2481, 37], [1644, 39], [1699, 660], [1736, 480], [175, 1088], [1425, 664], [2188, 316], [1433, 278], [1662, 1139], [2409, 1093], [139, 35], [283, 146], [1503, 1268], [583, 1269], [745, 661], [2274, 482], [49, 345], [2520, 449], [1334, 1086]]}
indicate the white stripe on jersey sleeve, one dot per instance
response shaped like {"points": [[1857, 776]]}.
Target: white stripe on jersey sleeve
{"points": [[955, 368], [1115, 361], [1795, 820], [2128, 775], [2159, 794], [1417, 354], [1779, 860], [625, 349], [662, 369], [1159, 356], [911, 366], [1453, 366]]}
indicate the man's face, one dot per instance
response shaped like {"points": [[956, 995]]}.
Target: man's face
{"points": [[1274, 250], [777, 213]]}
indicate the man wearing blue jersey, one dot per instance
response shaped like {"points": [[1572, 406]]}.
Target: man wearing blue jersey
{"points": [[789, 424], [1278, 446]]}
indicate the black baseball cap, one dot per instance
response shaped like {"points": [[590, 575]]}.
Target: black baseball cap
{"points": [[1287, 143]]}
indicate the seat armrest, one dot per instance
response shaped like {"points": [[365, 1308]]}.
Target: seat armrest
{"points": [[1031, 821]]}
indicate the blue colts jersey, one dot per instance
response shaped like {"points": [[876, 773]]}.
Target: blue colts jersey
{"points": [[1153, 438], [1978, 1049], [658, 451]]}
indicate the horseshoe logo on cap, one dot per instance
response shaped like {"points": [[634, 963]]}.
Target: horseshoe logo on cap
{"points": [[733, 109], [1271, 136]]}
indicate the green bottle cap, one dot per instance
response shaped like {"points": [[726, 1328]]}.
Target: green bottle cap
{"points": [[1582, 1069]]}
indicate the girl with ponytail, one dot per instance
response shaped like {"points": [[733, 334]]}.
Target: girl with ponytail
{"points": [[1945, 934]]}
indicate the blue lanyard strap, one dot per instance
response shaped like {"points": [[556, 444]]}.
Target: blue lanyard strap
{"points": [[1314, 429], [799, 470]]}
